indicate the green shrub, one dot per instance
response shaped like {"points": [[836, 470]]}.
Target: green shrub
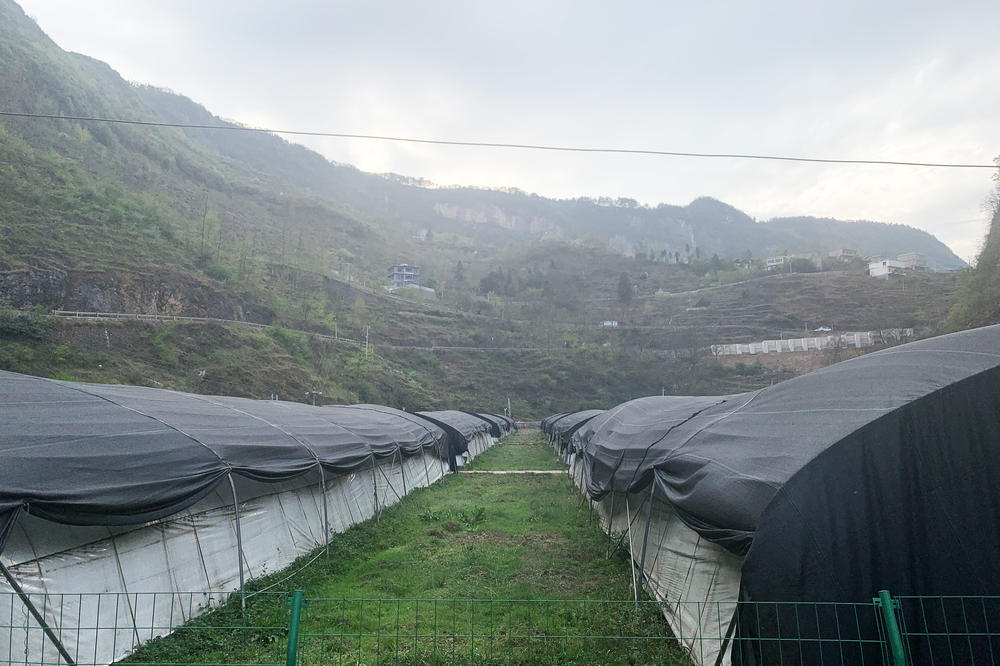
{"points": [[219, 271], [30, 324]]}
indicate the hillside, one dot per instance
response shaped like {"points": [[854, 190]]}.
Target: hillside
{"points": [[705, 226], [246, 226], [978, 300], [222, 196], [219, 359], [702, 228]]}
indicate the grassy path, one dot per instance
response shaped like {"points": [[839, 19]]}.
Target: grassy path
{"points": [[470, 536]]}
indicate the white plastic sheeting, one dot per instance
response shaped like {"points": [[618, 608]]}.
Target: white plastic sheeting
{"points": [[478, 443], [95, 585], [696, 581]]}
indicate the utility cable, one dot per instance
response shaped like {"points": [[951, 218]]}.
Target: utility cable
{"points": [[492, 144]]}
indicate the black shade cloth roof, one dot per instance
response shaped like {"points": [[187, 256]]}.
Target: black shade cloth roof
{"points": [[460, 426], [564, 427], [466, 425], [497, 427], [501, 420], [883, 460], [95, 454], [434, 433], [546, 423]]}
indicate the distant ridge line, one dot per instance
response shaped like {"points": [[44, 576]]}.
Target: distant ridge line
{"points": [[490, 144]]}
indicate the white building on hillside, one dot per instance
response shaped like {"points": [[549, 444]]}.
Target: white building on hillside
{"points": [[885, 267], [913, 261], [844, 254]]}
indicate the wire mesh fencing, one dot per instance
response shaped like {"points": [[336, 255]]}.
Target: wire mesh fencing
{"points": [[142, 628], [484, 631], [950, 629], [278, 628], [490, 631]]}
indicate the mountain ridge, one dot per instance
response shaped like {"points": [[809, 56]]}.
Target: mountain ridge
{"points": [[167, 190], [706, 222]]}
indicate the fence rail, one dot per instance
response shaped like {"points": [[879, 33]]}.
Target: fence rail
{"points": [[144, 629], [950, 629], [132, 316]]}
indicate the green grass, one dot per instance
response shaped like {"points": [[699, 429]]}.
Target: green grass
{"points": [[469, 537], [519, 451]]}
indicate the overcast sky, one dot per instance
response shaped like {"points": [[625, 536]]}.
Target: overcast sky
{"points": [[913, 81]]}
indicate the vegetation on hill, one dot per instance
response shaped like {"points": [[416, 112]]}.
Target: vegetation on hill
{"points": [[235, 203], [246, 226], [229, 359], [978, 301]]}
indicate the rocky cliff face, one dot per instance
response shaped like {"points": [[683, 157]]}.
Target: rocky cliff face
{"points": [[491, 214], [167, 293]]}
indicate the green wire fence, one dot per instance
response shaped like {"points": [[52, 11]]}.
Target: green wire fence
{"points": [[278, 628]]}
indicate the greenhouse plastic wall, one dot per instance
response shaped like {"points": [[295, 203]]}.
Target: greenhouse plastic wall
{"points": [[696, 581], [194, 550]]}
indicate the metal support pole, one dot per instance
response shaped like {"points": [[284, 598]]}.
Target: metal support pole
{"points": [[38, 616], [631, 556], [291, 652], [326, 516], [611, 519], [888, 605], [645, 536], [427, 474], [402, 472], [375, 486], [239, 544]]}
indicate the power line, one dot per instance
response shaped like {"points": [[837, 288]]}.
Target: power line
{"points": [[490, 144]]}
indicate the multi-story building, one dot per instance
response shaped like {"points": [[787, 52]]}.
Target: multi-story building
{"points": [[404, 275], [913, 261], [885, 268]]}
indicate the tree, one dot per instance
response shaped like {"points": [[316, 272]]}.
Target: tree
{"points": [[624, 289], [459, 274]]}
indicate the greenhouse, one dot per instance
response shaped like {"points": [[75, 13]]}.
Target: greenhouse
{"points": [[468, 435], [874, 473], [560, 430], [133, 489]]}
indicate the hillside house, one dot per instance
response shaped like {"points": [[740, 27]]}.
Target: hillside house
{"points": [[404, 275], [913, 261], [844, 254], [774, 263], [883, 268]]}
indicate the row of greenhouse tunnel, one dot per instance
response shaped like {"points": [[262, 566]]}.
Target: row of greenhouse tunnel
{"points": [[741, 514], [767, 522], [119, 492]]}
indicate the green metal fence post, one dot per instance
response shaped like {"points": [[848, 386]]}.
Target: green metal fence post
{"points": [[291, 654], [895, 639]]}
